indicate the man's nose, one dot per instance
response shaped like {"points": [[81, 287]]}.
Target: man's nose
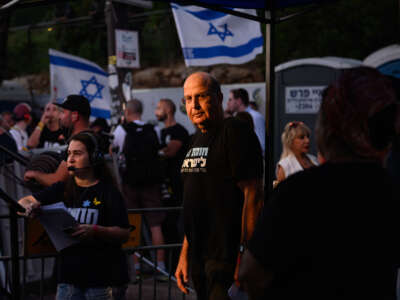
{"points": [[196, 103]]}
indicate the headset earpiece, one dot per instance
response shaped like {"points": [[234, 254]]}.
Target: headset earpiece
{"points": [[97, 156]]}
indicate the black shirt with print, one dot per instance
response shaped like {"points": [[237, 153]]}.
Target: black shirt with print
{"points": [[51, 138], [173, 164], [215, 163], [96, 263]]}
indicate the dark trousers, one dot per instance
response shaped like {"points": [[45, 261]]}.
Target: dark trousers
{"points": [[212, 279]]}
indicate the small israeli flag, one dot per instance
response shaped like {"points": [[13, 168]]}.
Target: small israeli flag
{"points": [[71, 74], [209, 37]]}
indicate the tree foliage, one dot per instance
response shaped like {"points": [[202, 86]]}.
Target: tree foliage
{"points": [[351, 28]]}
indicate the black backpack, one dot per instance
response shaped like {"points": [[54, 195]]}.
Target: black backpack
{"points": [[140, 150]]}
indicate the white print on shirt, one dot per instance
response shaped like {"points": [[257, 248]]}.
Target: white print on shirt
{"points": [[167, 139], [51, 144], [195, 161], [85, 215]]}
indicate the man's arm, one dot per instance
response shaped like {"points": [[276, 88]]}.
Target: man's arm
{"points": [[34, 139], [280, 174], [45, 179], [253, 202], [181, 273], [172, 148]]}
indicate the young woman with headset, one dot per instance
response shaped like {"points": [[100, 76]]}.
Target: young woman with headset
{"points": [[89, 269]]}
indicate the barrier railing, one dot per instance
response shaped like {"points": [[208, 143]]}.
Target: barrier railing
{"points": [[21, 287], [22, 274]]}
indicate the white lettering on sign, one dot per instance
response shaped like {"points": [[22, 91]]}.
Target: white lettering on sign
{"points": [[303, 99]]}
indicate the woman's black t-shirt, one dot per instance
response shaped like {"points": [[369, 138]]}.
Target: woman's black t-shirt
{"points": [[96, 263]]}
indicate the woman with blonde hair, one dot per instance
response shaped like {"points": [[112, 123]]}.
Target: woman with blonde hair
{"points": [[296, 144]]}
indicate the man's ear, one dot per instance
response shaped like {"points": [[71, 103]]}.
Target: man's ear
{"points": [[74, 116]]}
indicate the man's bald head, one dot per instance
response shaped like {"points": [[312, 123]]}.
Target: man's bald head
{"points": [[206, 79], [203, 100]]}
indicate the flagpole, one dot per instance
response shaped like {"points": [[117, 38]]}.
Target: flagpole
{"points": [[270, 93], [115, 17]]}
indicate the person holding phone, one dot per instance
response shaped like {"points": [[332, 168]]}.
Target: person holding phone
{"points": [[89, 269]]}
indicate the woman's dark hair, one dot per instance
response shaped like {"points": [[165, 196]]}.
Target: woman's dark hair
{"points": [[100, 169], [357, 116]]}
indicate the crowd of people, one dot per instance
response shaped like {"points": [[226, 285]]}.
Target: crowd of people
{"points": [[325, 233]]}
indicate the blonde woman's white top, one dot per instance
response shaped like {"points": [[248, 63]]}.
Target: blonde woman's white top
{"points": [[291, 165]]}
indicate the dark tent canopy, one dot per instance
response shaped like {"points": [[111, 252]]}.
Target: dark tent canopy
{"points": [[264, 4]]}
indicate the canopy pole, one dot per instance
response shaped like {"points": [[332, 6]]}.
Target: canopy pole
{"points": [[116, 18], [269, 105]]}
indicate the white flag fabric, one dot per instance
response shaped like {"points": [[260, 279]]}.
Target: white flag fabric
{"points": [[210, 37], [71, 74]]}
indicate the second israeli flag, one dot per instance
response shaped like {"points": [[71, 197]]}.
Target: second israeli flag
{"points": [[209, 37]]}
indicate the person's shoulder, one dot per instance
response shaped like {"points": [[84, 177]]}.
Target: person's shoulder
{"points": [[119, 129], [178, 129], [107, 187], [256, 114], [299, 183], [13, 131], [284, 161], [179, 126], [232, 122], [286, 158]]}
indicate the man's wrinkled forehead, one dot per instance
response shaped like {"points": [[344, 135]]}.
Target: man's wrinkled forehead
{"points": [[201, 80]]}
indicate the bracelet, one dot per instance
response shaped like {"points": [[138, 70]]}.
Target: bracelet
{"points": [[40, 126]]}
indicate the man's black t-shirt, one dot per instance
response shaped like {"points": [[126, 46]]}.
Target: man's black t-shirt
{"points": [[92, 264], [215, 163], [173, 164], [50, 138], [330, 232]]}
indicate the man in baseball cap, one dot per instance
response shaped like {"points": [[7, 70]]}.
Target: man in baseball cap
{"points": [[22, 117], [75, 118], [75, 113]]}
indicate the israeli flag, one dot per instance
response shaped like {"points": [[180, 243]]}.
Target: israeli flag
{"points": [[209, 37], [71, 74]]}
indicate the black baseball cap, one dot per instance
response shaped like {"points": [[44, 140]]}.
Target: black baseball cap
{"points": [[76, 103]]}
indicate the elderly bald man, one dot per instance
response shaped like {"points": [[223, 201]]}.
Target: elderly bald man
{"points": [[222, 176]]}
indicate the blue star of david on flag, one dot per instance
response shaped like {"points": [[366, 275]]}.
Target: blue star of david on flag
{"points": [[87, 84], [221, 34]]}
